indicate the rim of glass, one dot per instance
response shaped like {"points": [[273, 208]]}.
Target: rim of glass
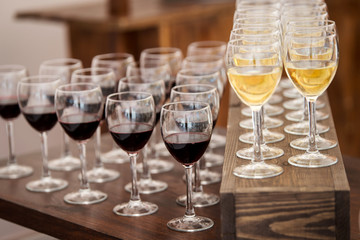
{"points": [[161, 51], [114, 57], [103, 72], [211, 88], [56, 62], [134, 93], [40, 80], [93, 87], [276, 43], [127, 80], [11, 69], [293, 23], [207, 44], [330, 34], [194, 73], [275, 32], [203, 105], [290, 13], [203, 59]]}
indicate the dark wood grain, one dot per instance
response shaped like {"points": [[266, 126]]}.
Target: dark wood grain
{"points": [[299, 204], [49, 214]]}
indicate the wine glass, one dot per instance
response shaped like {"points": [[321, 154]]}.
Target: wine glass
{"points": [[254, 84], [62, 67], [206, 48], [105, 78], [310, 62], [79, 107], [36, 101], [10, 75], [146, 184], [186, 129], [131, 118], [119, 63], [207, 94]]}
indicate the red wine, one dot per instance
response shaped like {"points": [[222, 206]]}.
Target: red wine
{"points": [[187, 148], [9, 108], [42, 118], [157, 117], [80, 127], [131, 137]]}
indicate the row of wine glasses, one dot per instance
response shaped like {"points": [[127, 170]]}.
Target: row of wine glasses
{"points": [[265, 36]]}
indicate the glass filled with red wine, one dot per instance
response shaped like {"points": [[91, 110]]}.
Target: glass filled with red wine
{"points": [[79, 108], [186, 129], [131, 119], [62, 67], [105, 78], [36, 101], [208, 94], [10, 75], [156, 88], [119, 62]]}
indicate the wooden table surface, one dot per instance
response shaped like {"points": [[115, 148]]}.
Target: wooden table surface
{"points": [[49, 214]]}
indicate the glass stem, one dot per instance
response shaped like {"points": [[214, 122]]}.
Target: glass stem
{"points": [[262, 125], [66, 146], [312, 129], [10, 134], [143, 156], [198, 187], [44, 151], [135, 196], [189, 212], [84, 181], [306, 112], [256, 117], [98, 162]]}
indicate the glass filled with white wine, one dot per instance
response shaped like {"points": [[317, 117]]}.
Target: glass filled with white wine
{"points": [[254, 84], [311, 62]]}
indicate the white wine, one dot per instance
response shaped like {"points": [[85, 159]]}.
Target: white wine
{"points": [[311, 78], [254, 84], [256, 59]]}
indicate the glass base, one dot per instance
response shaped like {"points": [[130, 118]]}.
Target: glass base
{"points": [[15, 171], [190, 224], [66, 164], [321, 143], [275, 99], [213, 159], [209, 177], [267, 152], [257, 170], [269, 137], [47, 185], [297, 116], [156, 166], [135, 208], [101, 175], [199, 199], [302, 128], [116, 155], [312, 160], [270, 110], [268, 123], [85, 197], [148, 186], [292, 93], [298, 104]]}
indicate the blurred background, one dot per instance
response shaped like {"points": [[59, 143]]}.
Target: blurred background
{"points": [[37, 30]]}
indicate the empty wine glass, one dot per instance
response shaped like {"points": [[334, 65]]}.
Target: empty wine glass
{"points": [[206, 48], [36, 101], [79, 107], [311, 61], [119, 63], [186, 129], [10, 75], [131, 118], [157, 89], [62, 67], [105, 78], [210, 95], [254, 85]]}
